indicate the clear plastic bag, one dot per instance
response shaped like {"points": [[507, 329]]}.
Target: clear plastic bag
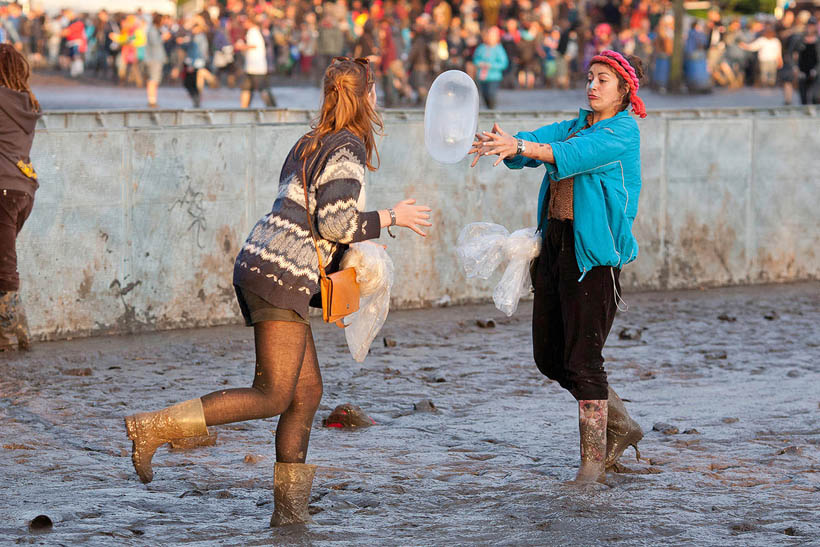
{"points": [[483, 247], [480, 248], [374, 272]]}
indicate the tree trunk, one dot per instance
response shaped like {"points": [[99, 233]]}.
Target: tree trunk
{"points": [[581, 5], [676, 63]]}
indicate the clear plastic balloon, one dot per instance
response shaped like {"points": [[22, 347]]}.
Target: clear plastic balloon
{"points": [[451, 116]]}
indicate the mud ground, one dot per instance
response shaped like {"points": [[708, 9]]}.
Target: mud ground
{"points": [[734, 371]]}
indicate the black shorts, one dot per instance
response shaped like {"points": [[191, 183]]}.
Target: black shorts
{"points": [[255, 310], [255, 82]]}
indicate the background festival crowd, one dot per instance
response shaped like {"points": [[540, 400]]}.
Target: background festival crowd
{"points": [[545, 43]]}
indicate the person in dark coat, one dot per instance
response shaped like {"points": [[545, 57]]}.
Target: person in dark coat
{"points": [[19, 111]]}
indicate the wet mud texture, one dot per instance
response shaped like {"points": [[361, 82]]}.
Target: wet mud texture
{"points": [[488, 467]]}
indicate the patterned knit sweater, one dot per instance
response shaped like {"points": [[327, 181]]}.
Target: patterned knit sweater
{"points": [[278, 261]]}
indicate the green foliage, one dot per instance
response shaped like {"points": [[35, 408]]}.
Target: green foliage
{"points": [[748, 7]]}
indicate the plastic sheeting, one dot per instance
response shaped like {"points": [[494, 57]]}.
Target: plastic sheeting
{"points": [[374, 273], [483, 247]]}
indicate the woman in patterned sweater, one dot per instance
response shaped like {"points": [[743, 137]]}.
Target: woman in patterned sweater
{"points": [[275, 276]]}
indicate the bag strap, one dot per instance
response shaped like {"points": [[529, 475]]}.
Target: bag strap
{"points": [[322, 273]]}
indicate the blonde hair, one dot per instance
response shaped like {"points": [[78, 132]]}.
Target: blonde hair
{"points": [[345, 105]]}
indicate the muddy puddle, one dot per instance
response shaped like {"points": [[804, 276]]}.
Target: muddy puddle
{"points": [[470, 446]]}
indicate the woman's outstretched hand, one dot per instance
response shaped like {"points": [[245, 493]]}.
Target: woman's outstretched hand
{"points": [[500, 144], [494, 143], [408, 215], [479, 141]]}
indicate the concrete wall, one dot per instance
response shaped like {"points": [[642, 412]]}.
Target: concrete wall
{"points": [[140, 214]]}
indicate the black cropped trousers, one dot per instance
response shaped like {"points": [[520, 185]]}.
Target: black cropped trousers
{"points": [[571, 319]]}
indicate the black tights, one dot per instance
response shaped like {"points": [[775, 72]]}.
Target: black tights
{"points": [[287, 382]]}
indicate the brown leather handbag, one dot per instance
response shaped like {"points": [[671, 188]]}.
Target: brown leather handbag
{"points": [[340, 290]]}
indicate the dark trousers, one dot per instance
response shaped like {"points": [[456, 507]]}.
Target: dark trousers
{"points": [[808, 88], [189, 83], [15, 207], [259, 82], [571, 319], [489, 92]]}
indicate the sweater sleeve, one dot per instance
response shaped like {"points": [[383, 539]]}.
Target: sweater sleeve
{"points": [[338, 188]]}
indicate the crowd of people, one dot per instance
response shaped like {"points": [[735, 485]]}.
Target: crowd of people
{"points": [[500, 43]]}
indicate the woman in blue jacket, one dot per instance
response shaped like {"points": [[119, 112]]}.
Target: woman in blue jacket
{"points": [[586, 206]]}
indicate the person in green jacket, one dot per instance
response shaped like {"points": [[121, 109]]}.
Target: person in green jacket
{"points": [[586, 207]]}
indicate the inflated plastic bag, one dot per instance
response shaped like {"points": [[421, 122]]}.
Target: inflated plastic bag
{"points": [[482, 247], [451, 116], [374, 272]]}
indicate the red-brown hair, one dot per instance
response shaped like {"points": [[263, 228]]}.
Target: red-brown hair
{"points": [[15, 72], [345, 105]]}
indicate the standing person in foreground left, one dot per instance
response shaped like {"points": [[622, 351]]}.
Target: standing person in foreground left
{"points": [[321, 191], [19, 111]]}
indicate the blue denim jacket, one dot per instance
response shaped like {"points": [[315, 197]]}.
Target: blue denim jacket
{"points": [[605, 160]]}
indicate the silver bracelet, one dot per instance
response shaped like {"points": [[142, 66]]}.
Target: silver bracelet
{"points": [[392, 214], [520, 149]]}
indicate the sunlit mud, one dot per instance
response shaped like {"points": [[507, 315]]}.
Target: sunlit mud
{"points": [[471, 445]]}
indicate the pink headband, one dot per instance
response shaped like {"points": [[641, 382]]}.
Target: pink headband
{"points": [[622, 67]]}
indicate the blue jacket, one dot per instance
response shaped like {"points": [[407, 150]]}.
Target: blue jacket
{"points": [[494, 56], [605, 160]]}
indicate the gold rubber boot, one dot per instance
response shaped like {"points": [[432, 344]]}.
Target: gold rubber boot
{"points": [[291, 493], [621, 430], [149, 430]]}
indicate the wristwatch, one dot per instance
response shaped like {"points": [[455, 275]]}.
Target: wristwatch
{"points": [[520, 149], [392, 214]]}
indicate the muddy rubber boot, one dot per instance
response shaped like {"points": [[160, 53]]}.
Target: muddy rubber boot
{"points": [[592, 416], [8, 342], [8, 320], [149, 430], [20, 324], [291, 493], [621, 430]]}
